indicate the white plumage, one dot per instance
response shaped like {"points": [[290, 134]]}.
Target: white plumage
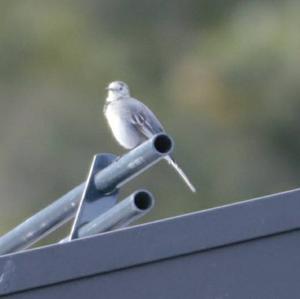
{"points": [[132, 122]]}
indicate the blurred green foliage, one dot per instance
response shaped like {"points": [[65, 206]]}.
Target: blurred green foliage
{"points": [[223, 76]]}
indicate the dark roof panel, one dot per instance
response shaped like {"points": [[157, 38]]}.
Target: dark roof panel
{"points": [[148, 252]]}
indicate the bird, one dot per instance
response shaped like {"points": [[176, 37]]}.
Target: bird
{"points": [[132, 122]]}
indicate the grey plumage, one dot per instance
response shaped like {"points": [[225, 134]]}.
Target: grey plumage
{"points": [[132, 122]]}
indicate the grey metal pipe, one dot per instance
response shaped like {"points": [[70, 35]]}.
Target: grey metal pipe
{"points": [[125, 212], [63, 209], [135, 161], [42, 223]]}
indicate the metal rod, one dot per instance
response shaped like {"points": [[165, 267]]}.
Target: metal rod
{"points": [[63, 209], [135, 161], [122, 214], [42, 223], [125, 212]]}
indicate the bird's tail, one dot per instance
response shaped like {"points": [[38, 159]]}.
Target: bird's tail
{"points": [[172, 162]]}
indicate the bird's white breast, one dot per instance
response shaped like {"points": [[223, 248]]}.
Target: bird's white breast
{"points": [[121, 126]]}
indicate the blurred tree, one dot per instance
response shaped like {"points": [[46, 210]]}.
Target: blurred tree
{"points": [[222, 77]]}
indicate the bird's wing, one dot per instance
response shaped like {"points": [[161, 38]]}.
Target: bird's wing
{"points": [[146, 122], [140, 122]]}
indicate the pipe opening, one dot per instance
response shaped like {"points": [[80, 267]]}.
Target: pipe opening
{"points": [[143, 200], [162, 143]]}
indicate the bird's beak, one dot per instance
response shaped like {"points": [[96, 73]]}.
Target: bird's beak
{"points": [[109, 88]]}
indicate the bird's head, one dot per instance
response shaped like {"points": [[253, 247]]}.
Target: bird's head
{"points": [[116, 90]]}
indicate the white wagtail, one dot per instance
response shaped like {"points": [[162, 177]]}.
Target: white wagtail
{"points": [[132, 122]]}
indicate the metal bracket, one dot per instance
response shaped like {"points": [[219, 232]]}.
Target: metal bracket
{"points": [[94, 202]]}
